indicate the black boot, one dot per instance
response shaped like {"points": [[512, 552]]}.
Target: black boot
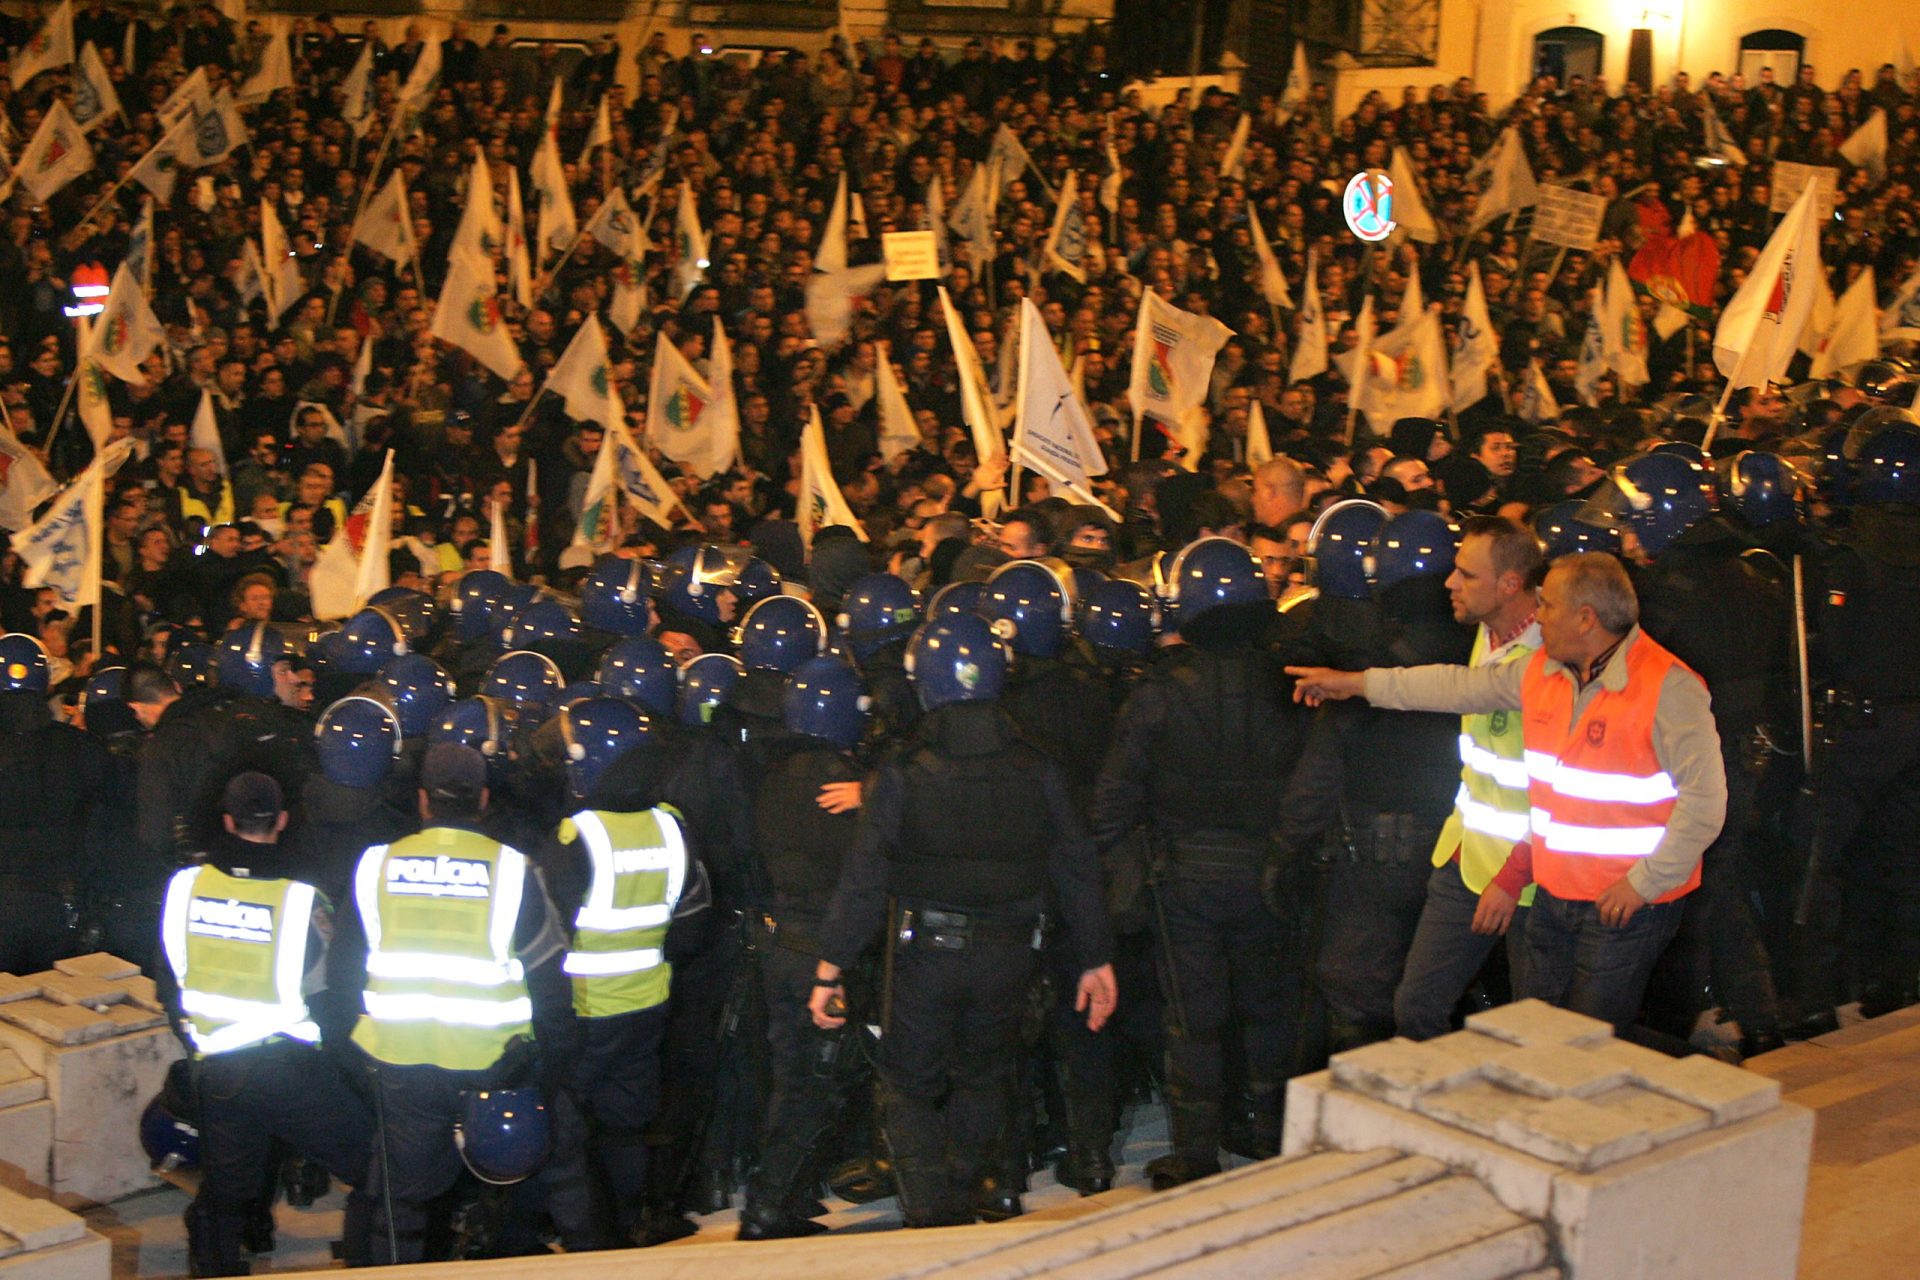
{"points": [[1088, 1164], [1173, 1170], [996, 1201]]}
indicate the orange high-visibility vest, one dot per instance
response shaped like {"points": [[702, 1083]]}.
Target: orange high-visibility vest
{"points": [[1600, 798]]}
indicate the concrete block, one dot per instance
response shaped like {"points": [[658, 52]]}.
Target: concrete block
{"points": [[1354, 1122], [1725, 1202], [98, 1092], [140, 991], [97, 964], [1573, 1132], [1664, 1119], [1501, 1254], [37, 1224], [1528, 1022], [60, 1024], [1636, 1058], [18, 1082], [26, 1147], [1726, 1092], [1300, 1126], [1398, 1071], [1555, 1071], [78, 989], [129, 1017], [15, 987], [88, 1258], [8, 1245], [1477, 1106]]}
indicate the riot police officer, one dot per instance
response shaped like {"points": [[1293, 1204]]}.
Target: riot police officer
{"points": [[876, 620], [959, 840], [1197, 751], [343, 808]]}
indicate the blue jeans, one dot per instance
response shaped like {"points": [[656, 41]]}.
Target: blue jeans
{"points": [[1578, 963], [1447, 955]]}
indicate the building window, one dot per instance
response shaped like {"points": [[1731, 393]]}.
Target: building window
{"points": [[1783, 51]]}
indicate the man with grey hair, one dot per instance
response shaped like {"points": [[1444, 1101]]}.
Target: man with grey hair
{"points": [[1625, 782]]}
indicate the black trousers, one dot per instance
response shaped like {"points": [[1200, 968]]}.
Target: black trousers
{"points": [[1372, 912], [414, 1159], [698, 1090], [34, 929], [596, 1181], [947, 1068], [284, 1091], [813, 1073]]}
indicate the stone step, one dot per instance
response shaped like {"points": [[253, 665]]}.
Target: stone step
{"points": [[37, 1224], [1511, 1253]]}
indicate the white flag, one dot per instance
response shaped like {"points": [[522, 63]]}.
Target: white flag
{"points": [[1820, 319], [94, 97], [677, 397], [629, 301], [374, 575], [356, 93], [206, 431], [1410, 214], [1626, 334], [1173, 352], [1066, 247], [975, 410], [1408, 375], [386, 226], [499, 544], [426, 69], [1720, 143], [49, 48], [1012, 160], [274, 73], [936, 213], [600, 134], [719, 424], [1593, 349], [24, 482], [1866, 147], [362, 368], [1534, 400], [1512, 186], [1310, 334], [192, 97], [58, 153], [559, 225], [519, 264], [857, 217], [832, 254], [820, 503], [1273, 283], [139, 259], [1761, 326], [1110, 185], [645, 488], [1234, 163], [690, 244], [898, 432], [216, 132], [1901, 319], [973, 216], [90, 396], [598, 527], [159, 169], [1479, 345], [285, 284], [1052, 433], [479, 232], [468, 316], [62, 549], [1299, 82], [127, 331], [830, 299], [582, 376], [1855, 332], [1259, 443]]}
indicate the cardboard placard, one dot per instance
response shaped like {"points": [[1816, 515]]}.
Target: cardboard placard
{"points": [[911, 255]]}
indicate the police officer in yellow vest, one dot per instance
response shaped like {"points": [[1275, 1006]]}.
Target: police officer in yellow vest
{"points": [[462, 953], [246, 944], [621, 868], [1492, 585]]}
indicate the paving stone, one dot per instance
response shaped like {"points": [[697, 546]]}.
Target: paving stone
{"points": [[1527, 1022], [38, 1224], [127, 1017], [1397, 1071], [1470, 1046], [1726, 1092], [18, 1082], [1636, 1058], [140, 990], [1555, 1071], [15, 987], [66, 988], [8, 1245], [97, 964], [1573, 1132], [1665, 1119], [57, 1023], [1477, 1106]]}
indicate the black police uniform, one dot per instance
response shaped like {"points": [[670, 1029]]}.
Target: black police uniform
{"points": [[896, 709], [798, 847], [1196, 755], [1722, 616], [959, 840], [200, 742], [53, 778], [334, 824]]}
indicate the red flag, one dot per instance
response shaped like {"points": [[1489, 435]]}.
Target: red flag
{"points": [[1678, 269]]}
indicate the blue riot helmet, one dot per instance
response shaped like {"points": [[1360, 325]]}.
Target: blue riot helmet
{"points": [[779, 634], [1210, 574], [757, 581], [514, 599], [957, 659], [1413, 544], [1119, 617], [371, 639], [1562, 534], [1888, 466], [823, 699], [418, 689], [578, 689], [473, 601], [1031, 605], [503, 1135], [640, 670], [357, 739], [876, 611], [1658, 496], [1338, 547], [247, 655], [706, 683], [693, 579], [548, 627], [1762, 489], [415, 611], [479, 722], [596, 731], [190, 666], [1681, 449], [524, 680], [956, 599], [170, 1141], [107, 684], [325, 652], [23, 664], [613, 596]]}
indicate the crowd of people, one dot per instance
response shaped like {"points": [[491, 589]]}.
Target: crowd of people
{"points": [[1065, 787]]}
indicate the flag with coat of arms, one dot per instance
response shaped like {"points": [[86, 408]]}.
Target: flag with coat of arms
{"points": [[469, 317], [1173, 353], [127, 331], [48, 48], [676, 397], [57, 154], [62, 548]]}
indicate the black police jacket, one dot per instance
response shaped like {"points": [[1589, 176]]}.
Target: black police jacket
{"points": [[202, 741], [52, 779], [1868, 604], [798, 846]]}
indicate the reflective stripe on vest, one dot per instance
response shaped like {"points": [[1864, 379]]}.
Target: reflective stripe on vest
{"points": [[238, 950], [443, 986], [1490, 811], [1600, 798], [639, 866], [220, 513]]}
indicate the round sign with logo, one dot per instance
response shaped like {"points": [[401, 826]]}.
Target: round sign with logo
{"points": [[1368, 205]]}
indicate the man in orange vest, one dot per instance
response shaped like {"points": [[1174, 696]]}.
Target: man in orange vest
{"points": [[1624, 778]]}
